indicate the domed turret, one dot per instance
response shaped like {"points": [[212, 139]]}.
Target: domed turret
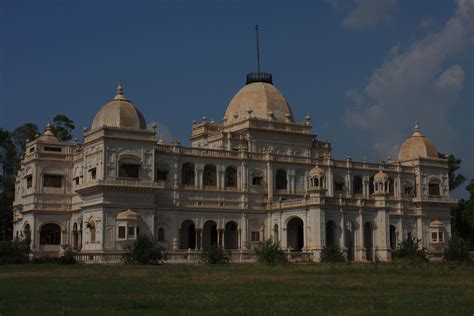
{"points": [[316, 172], [380, 176], [260, 99], [417, 146], [49, 134], [119, 112]]}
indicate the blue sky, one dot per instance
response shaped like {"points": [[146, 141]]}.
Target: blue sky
{"points": [[365, 70]]}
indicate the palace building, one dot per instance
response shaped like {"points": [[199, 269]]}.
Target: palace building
{"points": [[259, 174]]}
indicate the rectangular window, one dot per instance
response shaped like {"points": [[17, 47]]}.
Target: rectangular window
{"points": [[32, 149], [121, 232], [131, 231], [161, 175], [93, 173], [440, 236], [433, 236], [54, 149], [52, 181], [257, 180], [127, 170], [76, 180], [339, 186], [255, 236], [29, 181]]}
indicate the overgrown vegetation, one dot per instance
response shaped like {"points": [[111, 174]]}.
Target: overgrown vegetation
{"points": [[144, 251], [214, 255], [410, 249], [458, 250], [14, 252], [270, 253], [332, 254]]}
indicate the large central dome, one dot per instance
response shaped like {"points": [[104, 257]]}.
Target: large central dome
{"points": [[260, 99], [119, 112]]}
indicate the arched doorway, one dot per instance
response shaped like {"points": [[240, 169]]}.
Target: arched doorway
{"points": [[368, 241], [295, 234], [75, 236], [393, 237], [188, 235], [330, 234], [50, 234], [27, 231], [349, 240], [231, 237], [209, 234]]}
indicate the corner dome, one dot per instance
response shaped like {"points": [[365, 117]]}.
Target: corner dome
{"points": [[119, 112], [381, 176], [417, 146], [128, 215], [260, 99], [316, 172]]}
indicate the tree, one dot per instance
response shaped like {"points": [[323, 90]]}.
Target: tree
{"points": [[8, 167], [455, 179], [62, 127], [462, 216], [21, 134]]}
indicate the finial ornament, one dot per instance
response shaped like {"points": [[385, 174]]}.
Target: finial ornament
{"points": [[120, 87], [417, 126], [258, 49]]}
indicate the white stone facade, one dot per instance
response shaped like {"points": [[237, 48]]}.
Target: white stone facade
{"points": [[251, 178]]}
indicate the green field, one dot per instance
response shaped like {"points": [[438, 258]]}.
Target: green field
{"points": [[237, 289]]}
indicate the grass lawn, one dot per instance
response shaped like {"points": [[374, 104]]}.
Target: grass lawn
{"points": [[237, 289]]}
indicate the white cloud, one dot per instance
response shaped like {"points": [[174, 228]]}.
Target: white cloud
{"points": [[415, 84], [451, 78], [369, 13]]}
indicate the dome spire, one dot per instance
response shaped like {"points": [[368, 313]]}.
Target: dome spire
{"points": [[119, 95], [259, 76], [417, 131]]}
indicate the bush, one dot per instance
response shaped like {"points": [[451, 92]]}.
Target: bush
{"points": [[143, 251], [332, 254], [214, 255], [410, 249], [269, 252], [458, 250], [14, 252], [67, 258]]}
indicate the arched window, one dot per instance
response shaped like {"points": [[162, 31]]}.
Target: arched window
{"points": [[357, 185], [371, 185], [390, 186], [281, 180], [187, 174], [50, 234], [433, 188], [330, 234], [129, 168], [91, 226], [209, 176], [161, 234], [393, 237], [231, 177]]}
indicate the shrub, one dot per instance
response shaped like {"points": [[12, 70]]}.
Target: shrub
{"points": [[16, 251], [143, 251], [332, 254], [214, 255], [410, 249], [269, 252], [458, 250], [68, 257]]}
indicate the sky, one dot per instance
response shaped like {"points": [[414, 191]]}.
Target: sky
{"points": [[365, 70]]}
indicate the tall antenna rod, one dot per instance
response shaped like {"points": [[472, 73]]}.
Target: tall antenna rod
{"points": [[258, 49]]}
